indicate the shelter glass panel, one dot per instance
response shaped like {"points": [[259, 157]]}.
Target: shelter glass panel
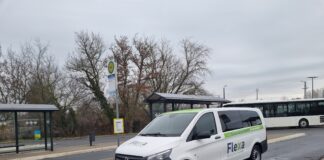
{"points": [[157, 109], [7, 132], [182, 106], [169, 107], [31, 130]]}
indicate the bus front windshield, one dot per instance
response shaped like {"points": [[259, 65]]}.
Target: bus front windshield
{"points": [[168, 125]]}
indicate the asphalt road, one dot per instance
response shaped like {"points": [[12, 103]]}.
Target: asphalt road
{"points": [[309, 147]]}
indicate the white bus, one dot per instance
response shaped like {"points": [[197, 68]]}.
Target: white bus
{"points": [[288, 113]]}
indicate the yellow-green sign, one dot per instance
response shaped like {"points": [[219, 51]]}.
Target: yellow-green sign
{"points": [[111, 67]]}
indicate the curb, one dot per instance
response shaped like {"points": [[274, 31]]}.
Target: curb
{"points": [[285, 138]]}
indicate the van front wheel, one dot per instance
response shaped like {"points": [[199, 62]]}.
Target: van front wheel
{"points": [[256, 153]]}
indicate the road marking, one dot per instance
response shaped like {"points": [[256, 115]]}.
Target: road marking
{"points": [[55, 155], [285, 138]]}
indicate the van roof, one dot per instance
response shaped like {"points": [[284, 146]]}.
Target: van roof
{"points": [[208, 109], [185, 111]]}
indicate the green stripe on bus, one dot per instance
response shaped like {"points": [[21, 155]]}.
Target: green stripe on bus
{"points": [[242, 131]]}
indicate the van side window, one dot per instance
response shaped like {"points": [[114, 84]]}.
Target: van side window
{"points": [[230, 120], [250, 118], [206, 123]]}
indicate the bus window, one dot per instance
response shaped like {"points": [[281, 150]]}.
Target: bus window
{"points": [[307, 108], [303, 108], [313, 108], [269, 110], [291, 109], [321, 104], [281, 110], [320, 108]]}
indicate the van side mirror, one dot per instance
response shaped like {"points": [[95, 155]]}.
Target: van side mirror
{"points": [[203, 135]]}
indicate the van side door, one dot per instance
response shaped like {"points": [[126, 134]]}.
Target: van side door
{"points": [[232, 126], [205, 148], [253, 127]]}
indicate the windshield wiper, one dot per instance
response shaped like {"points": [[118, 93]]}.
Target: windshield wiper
{"points": [[158, 134]]}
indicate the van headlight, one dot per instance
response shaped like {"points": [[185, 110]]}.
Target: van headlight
{"points": [[165, 155]]}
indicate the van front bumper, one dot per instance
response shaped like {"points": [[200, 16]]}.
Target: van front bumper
{"points": [[128, 157]]}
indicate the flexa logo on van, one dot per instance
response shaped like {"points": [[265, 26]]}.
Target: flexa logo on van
{"points": [[235, 147]]}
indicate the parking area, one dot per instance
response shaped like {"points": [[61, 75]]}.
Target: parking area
{"points": [[284, 144]]}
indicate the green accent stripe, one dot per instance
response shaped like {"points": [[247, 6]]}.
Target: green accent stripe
{"points": [[242, 131], [185, 111]]}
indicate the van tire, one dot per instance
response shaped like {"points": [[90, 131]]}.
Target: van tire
{"points": [[256, 153], [303, 123]]}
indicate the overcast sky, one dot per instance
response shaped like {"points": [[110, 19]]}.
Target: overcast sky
{"points": [[271, 45]]}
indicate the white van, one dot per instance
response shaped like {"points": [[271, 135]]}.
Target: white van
{"points": [[199, 134]]}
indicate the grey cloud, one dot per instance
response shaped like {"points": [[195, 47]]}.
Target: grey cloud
{"points": [[267, 44]]}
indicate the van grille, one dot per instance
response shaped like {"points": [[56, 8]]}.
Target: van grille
{"points": [[127, 157], [322, 119]]}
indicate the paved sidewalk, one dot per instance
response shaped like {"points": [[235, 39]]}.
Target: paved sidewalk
{"points": [[69, 146], [58, 152]]}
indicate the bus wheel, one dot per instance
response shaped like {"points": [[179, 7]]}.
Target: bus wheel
{"points": [[303, 123], [256, 153]]}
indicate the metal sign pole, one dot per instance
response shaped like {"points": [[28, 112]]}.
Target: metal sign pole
{"points": [[116, 100], [113, 75]]}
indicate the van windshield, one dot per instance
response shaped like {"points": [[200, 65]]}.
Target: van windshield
{"points": [[168, 125]]}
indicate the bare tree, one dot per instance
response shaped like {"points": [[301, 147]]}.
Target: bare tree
{"points": [[146, 66], [87, 64], [15, 75], [172, 74], [46, 75], [144, 49], [195, 65]]}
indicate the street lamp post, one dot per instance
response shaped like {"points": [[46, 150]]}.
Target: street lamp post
{"points": [[224, 91], [305, 89], [257, 94], [313, 77]]}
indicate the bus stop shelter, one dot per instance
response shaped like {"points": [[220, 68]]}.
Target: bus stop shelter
{"points": [[44, 111], [167, 98]]}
